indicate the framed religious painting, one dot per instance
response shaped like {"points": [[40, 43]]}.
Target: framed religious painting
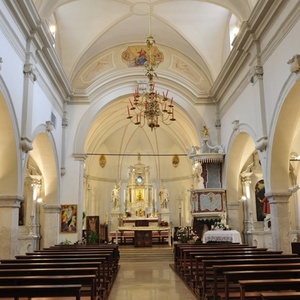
{"points": [[68, 218], [93, 229]]}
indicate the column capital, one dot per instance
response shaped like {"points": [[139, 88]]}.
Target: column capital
{"points": [[294, 63], [26, 144], [10, 201], [29, 71], [80, 156], [256, 73], [278, 197], [51, 208]]}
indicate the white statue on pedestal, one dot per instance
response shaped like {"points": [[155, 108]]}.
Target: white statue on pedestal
{"points": [[163, 197], [115, 194], [199, 184]]}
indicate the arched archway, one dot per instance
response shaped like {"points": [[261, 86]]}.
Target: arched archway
{"points": [[44, 156], [284, 138], [10, 177]]}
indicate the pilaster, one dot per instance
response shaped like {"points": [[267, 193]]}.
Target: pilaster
{"points": [[280, 224], [9, 215], [29, 79], [52, 224], [256, 78], [81, 159]]}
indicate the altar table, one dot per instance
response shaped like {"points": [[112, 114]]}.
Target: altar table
{"points": [[225, 236], [143, 230]]}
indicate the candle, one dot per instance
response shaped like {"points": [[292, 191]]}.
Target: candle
{"points": [[167, 93], [130, 102], [128, 110], [172, 100], [173, 113]]}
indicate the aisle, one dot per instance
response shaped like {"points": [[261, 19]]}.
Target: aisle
{"points": [[148, 280]]}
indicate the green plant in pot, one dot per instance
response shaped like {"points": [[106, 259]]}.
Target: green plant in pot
{"points": [[93, 237]]}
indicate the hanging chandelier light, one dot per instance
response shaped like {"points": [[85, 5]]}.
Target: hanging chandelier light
{"points": [[149, 107]]}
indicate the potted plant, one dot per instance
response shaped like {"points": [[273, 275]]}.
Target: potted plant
{"points": [[93, 238]]}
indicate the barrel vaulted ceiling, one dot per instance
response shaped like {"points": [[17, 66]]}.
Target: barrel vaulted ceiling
{"points": [[92, 35]]}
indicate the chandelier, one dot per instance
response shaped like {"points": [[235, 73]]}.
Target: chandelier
{"points": [[149, 107]]}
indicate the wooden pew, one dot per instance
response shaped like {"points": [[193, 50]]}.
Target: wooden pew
{"points": [[205, 267], [86, 281], [81, 251], [253, 288], [104, 259], [182, 251], [58, 264], [282, 295], [37, 291], [231, 279], [188, 263]]}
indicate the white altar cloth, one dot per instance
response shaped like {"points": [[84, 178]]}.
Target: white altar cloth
{"points": [[226, 236], [144, 228]]}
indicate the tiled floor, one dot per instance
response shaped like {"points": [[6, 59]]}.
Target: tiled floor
{"points": [[148, 281]]}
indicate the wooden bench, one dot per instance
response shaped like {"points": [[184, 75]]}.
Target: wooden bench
{"points": [[254, 288], [231, 279], [205, 267], [188, 264], [38, 291], [102, 285], [184, 253], [282, 295], [87, 282]]}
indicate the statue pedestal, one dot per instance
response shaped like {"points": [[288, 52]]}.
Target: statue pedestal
{"points": [[164, 215], [115, 220]]}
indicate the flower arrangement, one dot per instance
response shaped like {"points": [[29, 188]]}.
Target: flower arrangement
{"points": [[186, 235], [163, 223], [219, 226]]}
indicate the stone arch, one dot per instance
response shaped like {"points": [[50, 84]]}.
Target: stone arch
{"points": [[45, 154], [241, 146], [284, 133], [10, 174]]}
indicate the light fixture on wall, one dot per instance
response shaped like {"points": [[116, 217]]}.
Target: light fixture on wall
{"points": [[149, 107]]}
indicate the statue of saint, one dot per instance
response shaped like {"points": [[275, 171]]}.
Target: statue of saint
{"points": [[199, 182], [205, 132], [115, 194], [163, 197]]}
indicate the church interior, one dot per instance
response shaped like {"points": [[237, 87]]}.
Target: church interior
{"points": [[149, 122]]}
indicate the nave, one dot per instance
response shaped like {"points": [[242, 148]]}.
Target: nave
{"points": [[145, 273]]}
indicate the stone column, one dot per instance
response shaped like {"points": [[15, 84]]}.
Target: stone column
{"points": [[246, 183], [30, 77], [81, 158], [233, 215], [52, 225], [280, 224], [256, 78], [9, 215]]}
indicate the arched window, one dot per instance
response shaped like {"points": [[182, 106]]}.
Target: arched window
{"points": [[234, 27]]}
